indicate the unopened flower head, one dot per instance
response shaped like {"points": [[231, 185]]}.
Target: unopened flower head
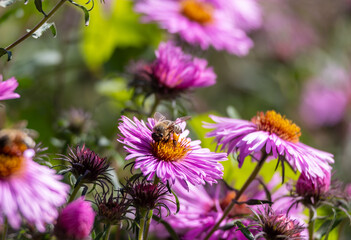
{"points": [[30, 191], [75, 221], [218, 23], [112, 207], [77, 121], [177, 160], [274, 226], [172, 73], [313, 186], [272, 134], [147, 195], [86, 165], [7, 89]]}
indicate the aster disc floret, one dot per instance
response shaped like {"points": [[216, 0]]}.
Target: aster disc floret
{"points": [[173, 72], [274, 226], [7, 88], [86, 165], [75, 221], [272, 134], [218, 23], [181, 161], [29, 191]]}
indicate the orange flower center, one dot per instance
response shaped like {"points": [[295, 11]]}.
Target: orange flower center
{"points": [[173, 150], [197, 11], [275, 123], [11, 159], [238, 209]]}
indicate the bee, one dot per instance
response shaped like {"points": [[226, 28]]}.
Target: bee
{"points": [[11, 137], [165, 129]]}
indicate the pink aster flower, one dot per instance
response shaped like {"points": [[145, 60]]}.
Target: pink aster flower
{"points": [[28, 191], [218, 23], [75, 221], [325, 98], [271, 134], [7, 88], [179, 160], [172, 73]]}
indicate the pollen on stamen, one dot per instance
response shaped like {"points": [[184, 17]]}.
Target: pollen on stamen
{"points": [[197, 11], [170, 150], [273, 122], [11, 159]]}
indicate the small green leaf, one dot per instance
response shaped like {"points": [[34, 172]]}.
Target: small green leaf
{"points": [[53, 30], [3, 51], [98, 237], [39, 6], [86, 12], [177, 200], [244, 230], [170, 230]]}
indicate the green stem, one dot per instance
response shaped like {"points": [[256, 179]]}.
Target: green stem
{"points": [[142, 225], [75, 191], [238, 195], [311, 225], [44, 20], [148, 221], [108, 231], [154, 107], [5, 228]]}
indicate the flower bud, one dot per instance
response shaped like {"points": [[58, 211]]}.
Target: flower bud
{"points": [[75, 221], [312, 186]]}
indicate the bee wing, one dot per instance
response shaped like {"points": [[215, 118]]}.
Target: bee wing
{"points": [[182, 119], [159, 117]]}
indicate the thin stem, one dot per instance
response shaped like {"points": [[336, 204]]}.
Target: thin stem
{"points": [[44, 20], [75, 191], [148, 221], [108, 231], [142, 225], [311, 223], [154, 107], [5, 228], [238, 195]]}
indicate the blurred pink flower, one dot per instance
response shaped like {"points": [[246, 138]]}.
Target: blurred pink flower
{"points": [[28, 190], [75, 221], [281, 25], [7, 88], [202, 206], [218, 23], [325, 98]]}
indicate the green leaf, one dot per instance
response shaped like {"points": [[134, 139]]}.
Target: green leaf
{"points": [[177, 200], [244, 230], [170, 230], [327, 227], [3, 51], [6, 3], [86, 12], [53, 30], [39, 6]]}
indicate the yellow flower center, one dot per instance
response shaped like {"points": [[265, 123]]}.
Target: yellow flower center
{"points": [[172, 150], [197, 11], [11, 159], [275, 123]]}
